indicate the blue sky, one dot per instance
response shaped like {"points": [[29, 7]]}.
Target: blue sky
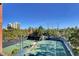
{"points": [[46, 15]]}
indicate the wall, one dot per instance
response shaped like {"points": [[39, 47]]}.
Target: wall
{"points": [[0, 28]]}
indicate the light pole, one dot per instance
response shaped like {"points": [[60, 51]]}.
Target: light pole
{"points": [[21, 51], [21, 43]]}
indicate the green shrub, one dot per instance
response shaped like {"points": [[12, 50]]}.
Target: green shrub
{"points": [[14, 51], [76, 52]]}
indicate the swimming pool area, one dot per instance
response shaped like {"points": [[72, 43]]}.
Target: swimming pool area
{"points": [[50, 48], [42, 48]]}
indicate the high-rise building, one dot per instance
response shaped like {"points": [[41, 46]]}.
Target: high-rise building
{"points": [[9, 26], [15, 25]]}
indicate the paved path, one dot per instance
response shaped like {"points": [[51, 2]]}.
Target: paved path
{"points": [[12, 42], [33, 46]]}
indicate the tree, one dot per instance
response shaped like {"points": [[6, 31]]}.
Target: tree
{"points": [[75, 38], [39, 31]]}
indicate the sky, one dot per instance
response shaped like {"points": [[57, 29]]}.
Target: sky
{"points": [[48, 15]]}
